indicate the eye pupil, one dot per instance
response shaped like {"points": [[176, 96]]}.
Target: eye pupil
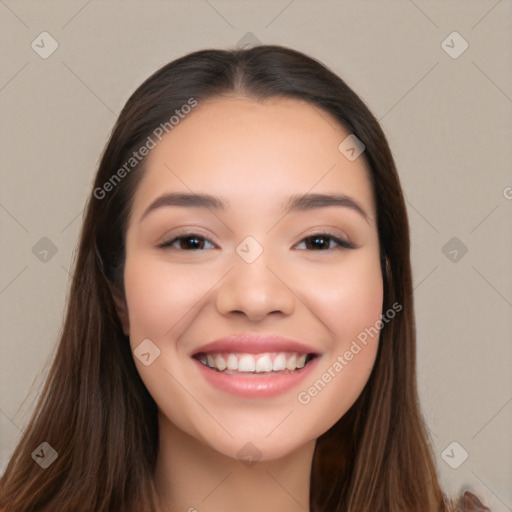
{"points": [[324, 241], [194, 245]]}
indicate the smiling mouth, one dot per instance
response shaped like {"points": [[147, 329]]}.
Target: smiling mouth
{"points": [[266, 363]]}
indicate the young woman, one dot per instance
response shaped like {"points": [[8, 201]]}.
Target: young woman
{"points": [[240, 331]]}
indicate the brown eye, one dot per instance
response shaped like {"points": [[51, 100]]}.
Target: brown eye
{"points": [[190, 242], [322, 241]]}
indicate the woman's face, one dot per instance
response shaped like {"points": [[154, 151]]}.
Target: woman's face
{"points": [[253, 267]]}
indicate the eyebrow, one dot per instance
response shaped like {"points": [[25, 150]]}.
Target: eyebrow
{"points": [[305, 202], [187, 200], [295, 203]]}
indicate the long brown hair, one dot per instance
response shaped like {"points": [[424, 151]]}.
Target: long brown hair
{"points": [[94, 409]]}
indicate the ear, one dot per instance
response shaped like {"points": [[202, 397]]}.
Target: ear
{"points": [[121, 308]]}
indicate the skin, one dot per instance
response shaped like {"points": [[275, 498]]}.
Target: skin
{"points": [[254, 154]]}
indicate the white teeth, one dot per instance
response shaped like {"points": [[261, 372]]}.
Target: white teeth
{"points": [[246, 364], [264, 364], [301, 361], [232, 362], [279, 362], [291, 364], [258, 363], [220, 362]]}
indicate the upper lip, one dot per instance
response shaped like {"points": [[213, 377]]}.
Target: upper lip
{"points": [[255, 344]]}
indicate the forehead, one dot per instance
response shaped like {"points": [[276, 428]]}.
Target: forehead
{"points": [[255, 154]]}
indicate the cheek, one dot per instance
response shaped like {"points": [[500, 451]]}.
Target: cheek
{"points": [[346, 297], [158, 298]]}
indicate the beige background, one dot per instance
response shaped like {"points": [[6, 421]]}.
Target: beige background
{"points": [[449, 126]]}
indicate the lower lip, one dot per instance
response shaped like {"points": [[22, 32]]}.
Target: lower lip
{"points": [[256, 385]]}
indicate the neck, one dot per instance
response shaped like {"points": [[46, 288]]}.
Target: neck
{"points": [[190, 476]]}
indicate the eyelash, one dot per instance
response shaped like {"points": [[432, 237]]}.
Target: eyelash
{"points": [[342, 244]]}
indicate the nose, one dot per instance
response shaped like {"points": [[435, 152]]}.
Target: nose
{"points": [[255, 290]]}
